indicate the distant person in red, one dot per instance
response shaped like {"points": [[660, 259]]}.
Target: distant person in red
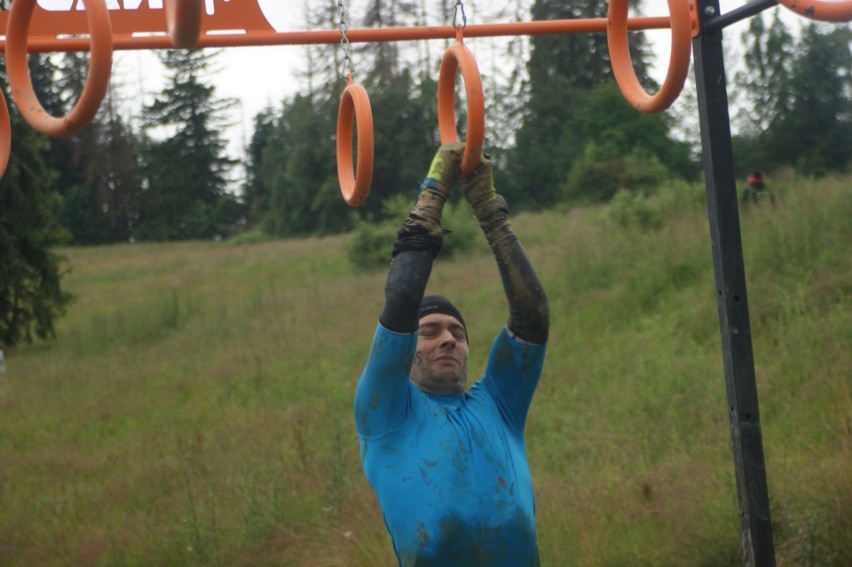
{"points": [[756, 180], [756, 190]]}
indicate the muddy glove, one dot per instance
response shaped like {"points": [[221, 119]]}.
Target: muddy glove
{"points": [[422, 229], [489, 208], [529, 318]]}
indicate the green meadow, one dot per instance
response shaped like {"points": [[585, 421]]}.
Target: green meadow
{"points": [[195, 408]]}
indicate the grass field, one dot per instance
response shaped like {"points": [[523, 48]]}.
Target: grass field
{"points": [[195, 408]]}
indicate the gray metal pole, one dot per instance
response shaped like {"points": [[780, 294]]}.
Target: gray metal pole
{"points": [[738, 357]]}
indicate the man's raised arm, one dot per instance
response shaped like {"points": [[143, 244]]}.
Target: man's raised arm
{"points": [[418, 243], [380, 399], [529, 318]]}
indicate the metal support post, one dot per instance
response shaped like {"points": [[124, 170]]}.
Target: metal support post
{"points": [[738, 356]]}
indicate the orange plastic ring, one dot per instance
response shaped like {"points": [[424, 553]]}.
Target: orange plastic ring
{"points": [[183, 20], [458, 55], [821, 10], [21, 83], [355, 185], [622, 64], [5, 135]]}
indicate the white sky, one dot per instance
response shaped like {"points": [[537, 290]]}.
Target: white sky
{"points": [[260, 76]]}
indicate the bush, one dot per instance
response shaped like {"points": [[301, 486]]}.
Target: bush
{"points": [[604, 169], [371, 242], [649, 210], [631, 209], [370, 246], [255, 235]]}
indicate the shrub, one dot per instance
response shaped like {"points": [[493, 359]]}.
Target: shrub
{"points": [[604, 169], [371, 242], [255, 235], [631, 209], [649, 210]]}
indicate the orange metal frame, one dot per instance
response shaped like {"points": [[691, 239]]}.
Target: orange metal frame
{"points": [[45, 35], [242, 23]]}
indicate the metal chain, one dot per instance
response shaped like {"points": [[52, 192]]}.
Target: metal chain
{"points": [[348, 68], [459, 8]]}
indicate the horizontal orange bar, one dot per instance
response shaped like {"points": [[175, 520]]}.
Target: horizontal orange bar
{"points": [[258, 38]]}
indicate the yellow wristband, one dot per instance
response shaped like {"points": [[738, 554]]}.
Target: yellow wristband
{"points": [[436, 170]]}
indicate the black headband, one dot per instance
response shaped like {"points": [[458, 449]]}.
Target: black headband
{"points": [[440, 304]]}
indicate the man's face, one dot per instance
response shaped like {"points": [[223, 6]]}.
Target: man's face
{"points": [[440, 363]]}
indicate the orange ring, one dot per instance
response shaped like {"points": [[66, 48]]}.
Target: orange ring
{"points": [[354, 185], [820, 9], [183, 20], [458, 55], [21, 84], [622, 64], [5, 135]]}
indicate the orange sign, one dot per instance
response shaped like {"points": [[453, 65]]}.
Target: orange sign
{"points": [[129, 18]]}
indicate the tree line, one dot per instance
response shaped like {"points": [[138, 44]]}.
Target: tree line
{"points": [[562, 134]]}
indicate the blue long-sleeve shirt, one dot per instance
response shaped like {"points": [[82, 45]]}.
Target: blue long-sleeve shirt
{"points": [[451, 473]]}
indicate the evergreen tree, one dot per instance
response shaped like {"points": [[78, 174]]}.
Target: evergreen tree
{"points": [[116, 181], [507, 86], [405, 139], [323, 71], [31, 297], [799, 113], [381, 63], [562, 70], [816, 134], [298, 167], [294, 186], [765, 85], [256, 190], [768, 58], [98, 178], [184, 194]]}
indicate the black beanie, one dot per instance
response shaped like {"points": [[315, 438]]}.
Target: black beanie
{"points": [[440, 304]]}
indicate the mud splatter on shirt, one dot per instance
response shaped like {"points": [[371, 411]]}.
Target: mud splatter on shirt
{"points": [[451, 473]]}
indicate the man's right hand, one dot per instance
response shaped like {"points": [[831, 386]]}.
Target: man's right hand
{"points": [[479, 190]]}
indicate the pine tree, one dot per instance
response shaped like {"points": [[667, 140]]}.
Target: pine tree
{"points": [[31, 295], [816, 134], [98, 167], [293, 187], [185, 188], [799, 113], [768, 58], [256, 191], [380, 63], [324, 69], [298, 170]]}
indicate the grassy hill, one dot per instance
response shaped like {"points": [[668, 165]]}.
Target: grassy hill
{"points": [[196, 406]]}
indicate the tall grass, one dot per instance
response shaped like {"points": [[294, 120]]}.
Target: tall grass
{"points": [[196, 406]]}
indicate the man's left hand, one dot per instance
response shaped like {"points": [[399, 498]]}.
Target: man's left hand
{"points": [[444, 169]]}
